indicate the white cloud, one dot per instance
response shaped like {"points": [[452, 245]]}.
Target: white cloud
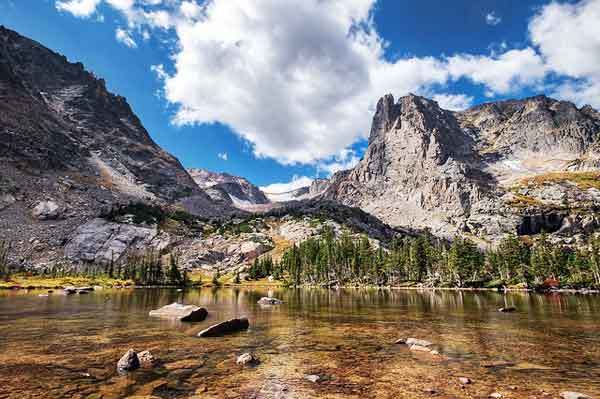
{"points": [[223, 156], [346, 159], [298, 80], [124, 37], [79, 8], [296, 183], [453, 102], [492, 19], [568, 37], [502, 73]]}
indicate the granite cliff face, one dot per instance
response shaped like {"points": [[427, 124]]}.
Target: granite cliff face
{"points": [[497, 168]]}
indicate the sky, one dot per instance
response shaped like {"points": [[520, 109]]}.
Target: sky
{"points": [[283, 91]]}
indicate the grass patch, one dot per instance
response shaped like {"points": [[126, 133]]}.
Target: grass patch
{"points": [[523, 201], [25, 281], [583, 180]]}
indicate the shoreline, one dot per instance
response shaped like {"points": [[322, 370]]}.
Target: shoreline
{"points": [[33, 283]]}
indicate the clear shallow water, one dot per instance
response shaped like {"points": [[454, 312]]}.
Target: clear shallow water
{"points": [[68, 346]]}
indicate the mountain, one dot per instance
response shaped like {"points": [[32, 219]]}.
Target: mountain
{"points": [[316, 188], [517, 166], [70, 150], [227, 188]]}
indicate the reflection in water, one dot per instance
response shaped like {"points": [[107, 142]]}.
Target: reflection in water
{"points": [[67, 346]]}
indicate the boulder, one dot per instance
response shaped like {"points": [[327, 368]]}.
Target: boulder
{"points": [[146, 359], [128, 362], [69, 290], [495, 395], [415, 341], [464, 380], [225, 327], [312, 378], [508, 309], [573, 395], [269, 301], [47, 210], [247, 359], [100, 241], [181, 312], [6, 200]]}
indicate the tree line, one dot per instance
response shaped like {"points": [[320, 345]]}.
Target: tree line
{"points": [[433, 262]]}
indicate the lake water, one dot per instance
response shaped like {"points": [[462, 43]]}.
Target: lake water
{"points": [[67, 346]]}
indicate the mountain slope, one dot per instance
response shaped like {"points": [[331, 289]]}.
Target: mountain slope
{"points": [[70, 150], [470, 172]]}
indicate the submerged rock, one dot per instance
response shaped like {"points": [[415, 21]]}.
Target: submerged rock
{"points": [[464, 380], [225, 327], [573, 395], [128, 362], [419, 348], [415, 341], [269, 301], [247, 359], [181, 312]]}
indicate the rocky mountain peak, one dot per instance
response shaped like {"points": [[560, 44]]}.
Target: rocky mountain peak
{"points": [[426, 167]]}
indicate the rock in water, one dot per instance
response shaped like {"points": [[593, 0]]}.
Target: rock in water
{"points": [[312, 378], [415, 341], [146, 359], [507, 309], [269, 301], [464, 380], [573, 395], [128, 362], [181, 312], [225, 327], [247, 359]]}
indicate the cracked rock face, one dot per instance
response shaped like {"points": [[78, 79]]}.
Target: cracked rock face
{"points": [[461, 172]]}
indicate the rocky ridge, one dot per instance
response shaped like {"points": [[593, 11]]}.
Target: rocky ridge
{"points": [[518, 166]]}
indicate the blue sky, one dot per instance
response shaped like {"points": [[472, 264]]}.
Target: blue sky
{"points": [[215, 79]]}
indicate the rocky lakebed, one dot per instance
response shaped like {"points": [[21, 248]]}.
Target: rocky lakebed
{"points": [[298, 343]]}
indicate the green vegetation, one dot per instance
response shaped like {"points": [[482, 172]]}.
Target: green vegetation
{"points": [[435, 263]]}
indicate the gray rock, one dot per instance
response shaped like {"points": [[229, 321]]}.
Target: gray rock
{"points": [[247, 359], [128, 362], [100, 241], [415, 341], [464, 380], [225, 327], [146, 359], [269, 301], [508, 309], [47, 210], [6, 200], [181, 312], [312, 378], [573, 395]]}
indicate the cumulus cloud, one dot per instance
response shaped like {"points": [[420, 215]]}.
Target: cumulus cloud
{"points": [[280, 188], [124, 37], [299, 80], [568, 36], [453, 102], [223, 156], [492, 19], [502, 73], [79, 8], [346, 159]]}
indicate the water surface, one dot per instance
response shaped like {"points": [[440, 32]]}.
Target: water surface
{"points": [[67, 346]]}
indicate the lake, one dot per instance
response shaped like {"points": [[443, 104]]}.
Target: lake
{"points": [[68, 346]]}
